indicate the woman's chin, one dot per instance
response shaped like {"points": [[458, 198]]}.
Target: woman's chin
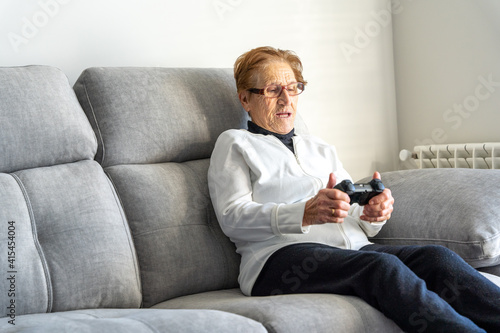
{"points": [[284, 125]]}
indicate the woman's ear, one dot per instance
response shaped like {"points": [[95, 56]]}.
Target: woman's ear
{"points": [[244, 99]]}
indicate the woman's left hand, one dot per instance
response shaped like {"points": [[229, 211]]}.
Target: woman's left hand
{"points": [[380, 207]]}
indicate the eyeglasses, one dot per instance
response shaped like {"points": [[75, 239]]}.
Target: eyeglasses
{"points": [[275, 90]]}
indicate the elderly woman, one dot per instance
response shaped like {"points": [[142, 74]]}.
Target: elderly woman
{"points": [[273, 194]]}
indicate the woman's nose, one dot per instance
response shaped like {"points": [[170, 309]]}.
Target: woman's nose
{"points": [[284, 97]]}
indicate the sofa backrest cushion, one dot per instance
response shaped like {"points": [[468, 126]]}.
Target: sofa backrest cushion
{"points": [[180, 246], [156, 129], [66, 241], [142, 115], [41, 120]]}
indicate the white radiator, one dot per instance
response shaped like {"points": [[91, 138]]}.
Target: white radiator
{"points": [[465, 155]]}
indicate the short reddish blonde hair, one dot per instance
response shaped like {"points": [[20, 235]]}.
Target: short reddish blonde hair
{"points": [[247, 65]]}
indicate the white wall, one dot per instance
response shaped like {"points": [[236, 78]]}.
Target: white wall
{"points": [[447, 60], [346, 48]]}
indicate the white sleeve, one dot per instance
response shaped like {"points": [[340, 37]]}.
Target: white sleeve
{"points": [[371, 229], [230, 187]]}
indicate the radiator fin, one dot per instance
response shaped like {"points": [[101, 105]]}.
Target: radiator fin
{"points": [[466, 155]]}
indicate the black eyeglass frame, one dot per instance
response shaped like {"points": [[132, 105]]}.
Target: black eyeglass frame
{"points": [[301, 86]]}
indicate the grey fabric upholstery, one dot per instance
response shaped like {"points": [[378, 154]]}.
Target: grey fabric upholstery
{"points": [[293, 313], [456, 208], [133, 321], [141, 115], [180, 246], [79, 253], [495, 270], [42, 123], [73, 247]]}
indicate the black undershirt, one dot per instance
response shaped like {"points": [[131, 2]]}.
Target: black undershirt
{"points": [[286, 139]]}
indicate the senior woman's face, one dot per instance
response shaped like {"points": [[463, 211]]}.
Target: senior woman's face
{"points": [[274, 114]]}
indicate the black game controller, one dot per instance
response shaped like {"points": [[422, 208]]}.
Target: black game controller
{"points": [[361, 193]]}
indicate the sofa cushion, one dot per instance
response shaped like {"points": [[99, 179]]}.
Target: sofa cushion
{"points": [[180, 246], [133, 321], [151, 115], [72, 248], [293, 313], [42, 123], [457, 208]]}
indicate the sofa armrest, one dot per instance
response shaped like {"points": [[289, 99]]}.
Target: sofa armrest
{"points": [[456, 208]]}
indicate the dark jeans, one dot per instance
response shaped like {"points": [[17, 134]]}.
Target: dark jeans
{"points": [[421, 288]]}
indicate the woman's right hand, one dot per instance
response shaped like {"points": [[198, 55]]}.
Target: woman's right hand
{"points": [[328, 206]]}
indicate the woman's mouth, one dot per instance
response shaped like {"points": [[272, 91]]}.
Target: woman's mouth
{"points": [[284, 114]]}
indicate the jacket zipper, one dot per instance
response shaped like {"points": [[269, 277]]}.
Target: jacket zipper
{"points": [[341, 228], [300, 165], [295, 154]]}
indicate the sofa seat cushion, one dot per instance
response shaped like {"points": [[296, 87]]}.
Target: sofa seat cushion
{"points": [[292, 313], [456, 208], [132, 321]]}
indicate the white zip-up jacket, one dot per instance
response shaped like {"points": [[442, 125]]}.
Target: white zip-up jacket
{"points": [[259, 189]]}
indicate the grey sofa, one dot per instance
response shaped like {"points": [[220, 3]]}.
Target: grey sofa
{"points": [[107, 225]]}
